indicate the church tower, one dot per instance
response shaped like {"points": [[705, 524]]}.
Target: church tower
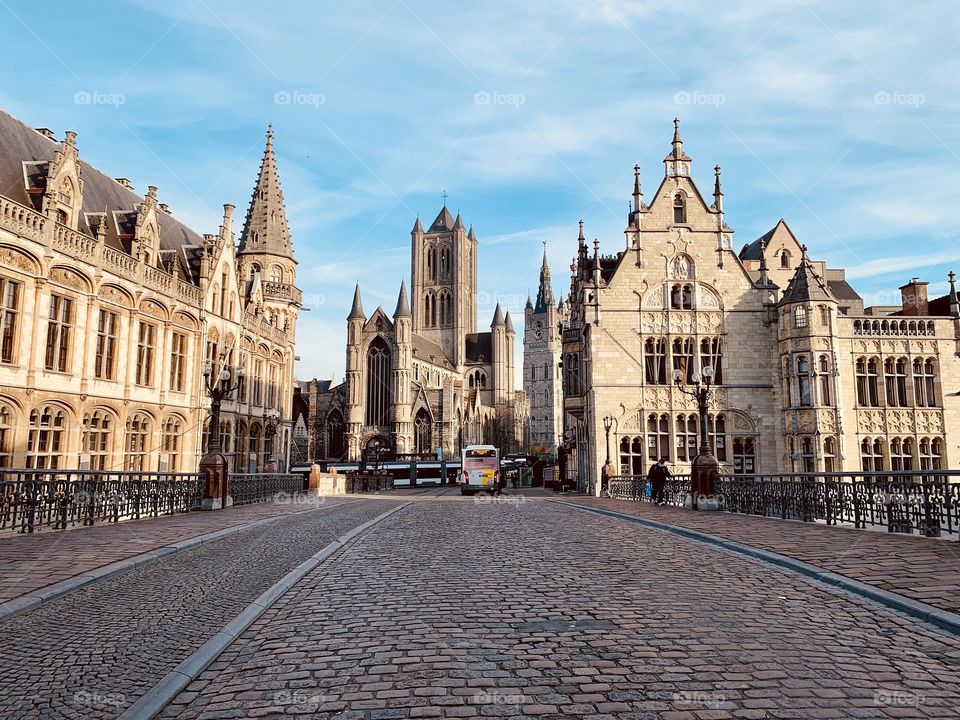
{"points": [[444, 283], [541, 357]]}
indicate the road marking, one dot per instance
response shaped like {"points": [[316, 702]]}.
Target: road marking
{"points": [[152, 702]]}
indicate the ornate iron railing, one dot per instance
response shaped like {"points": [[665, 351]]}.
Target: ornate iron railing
{"points": [[246, 488], [31, 500], [368, 482], [925, 502]]}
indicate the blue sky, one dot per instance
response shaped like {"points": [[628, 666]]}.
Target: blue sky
{"points": [[840, 117]]}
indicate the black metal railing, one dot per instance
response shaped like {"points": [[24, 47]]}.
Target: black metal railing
{"points": [[925, 502], [246, 488], [31, 500], [368, 482]]}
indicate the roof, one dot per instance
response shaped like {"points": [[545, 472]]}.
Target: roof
{"points": [[754, 250], [842, 290], [444, 221], [20, 144], [403, 304], [806, 285], [479, 347], [427, 350]]}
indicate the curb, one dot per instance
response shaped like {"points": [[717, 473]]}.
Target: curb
{"points": [[151, 703], [54, 591], [942, 619]]}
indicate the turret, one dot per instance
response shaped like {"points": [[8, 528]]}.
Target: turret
{"points": [[355, 322], [511, 335], [498, 337], [403, 373]]}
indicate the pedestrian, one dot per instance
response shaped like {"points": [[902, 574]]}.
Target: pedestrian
{"points": [[659, 472], [607, 474]]}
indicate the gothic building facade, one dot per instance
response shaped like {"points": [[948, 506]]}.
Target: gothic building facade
{"points": [[541, 366], [112, 309], [804, 378], [424, 379]]}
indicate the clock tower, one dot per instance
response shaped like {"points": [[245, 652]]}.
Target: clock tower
{"points": [[541, 372]]}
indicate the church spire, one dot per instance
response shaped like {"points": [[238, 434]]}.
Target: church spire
{"points": [[356, 312], [677, 162], [545, 293], [265, 230]]}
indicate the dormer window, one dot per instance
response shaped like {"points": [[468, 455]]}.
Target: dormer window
{"points": [[679, 209]]}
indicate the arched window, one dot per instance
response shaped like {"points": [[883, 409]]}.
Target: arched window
{"points": [[717, 434], [785, 259], [871, 455], [335, 444], [7, 428], [686, 437], [276, 274], [711, 355], [172, 429], [895, 381], [829, 454], [901, 454], [239, 447], [379, 382], [681, 297], [930, 453], [254, 445], [679, 209], [97, 429], [422, 432], [631, 456], [136, 445], [45, 442], [683, 359]]}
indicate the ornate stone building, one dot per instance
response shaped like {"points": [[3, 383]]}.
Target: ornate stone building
{"points": [[423, 378], [111, 307], [806, 378], [541, 366]]}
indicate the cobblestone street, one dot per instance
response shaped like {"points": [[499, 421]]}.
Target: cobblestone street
{"points": [[460, 607]]}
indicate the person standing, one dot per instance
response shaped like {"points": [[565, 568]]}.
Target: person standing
{"points": [[607, 474], [659, 472]]}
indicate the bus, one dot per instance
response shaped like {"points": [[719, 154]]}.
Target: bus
{"points": [[481, 470]]}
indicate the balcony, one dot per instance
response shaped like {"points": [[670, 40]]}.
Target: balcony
{"points": [[282, 291]]}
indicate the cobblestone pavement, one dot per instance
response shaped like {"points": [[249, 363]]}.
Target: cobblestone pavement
{"points": [[92, 653], [923, 569], [30, 562], [525, 608]]}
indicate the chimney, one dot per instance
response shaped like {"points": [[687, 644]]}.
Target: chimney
{"points": [[46, 132], [125, 182], [914, 298], [164, 207]]}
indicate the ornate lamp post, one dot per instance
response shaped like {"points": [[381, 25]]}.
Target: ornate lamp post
{"points": [[702, 491], [607, 425], [220, 386]]}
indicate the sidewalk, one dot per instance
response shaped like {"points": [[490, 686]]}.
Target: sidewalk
{"points": [[29, 562], [922, 569]]}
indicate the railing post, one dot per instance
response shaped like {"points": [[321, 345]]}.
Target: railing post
{"points": [[930, 528]]}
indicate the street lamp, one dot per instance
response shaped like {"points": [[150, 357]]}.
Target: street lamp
{"points": [[607, 424], [376, 455], [220, 386], [704, 466]]}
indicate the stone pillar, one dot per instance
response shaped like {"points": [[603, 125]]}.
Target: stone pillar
{"points": [[216, 492], [703, 492]]}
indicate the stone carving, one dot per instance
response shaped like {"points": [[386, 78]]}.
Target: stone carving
{"points": [[153, 309], [806, 421], [15, 259], [69, 278], [114, 295], [828, 421], [682, 269], [870, 421], [187, 321]]}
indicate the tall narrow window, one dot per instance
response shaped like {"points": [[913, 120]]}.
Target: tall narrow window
{"points": [[45, 442], [97, 428], [866, 371], [254, 447], [744, 456], [9, 318], [825, 394], [178, 361], [717, 430], [800, 316], [335, 444], [172, 429], [711, 356], [679, 209], [807, 457], [146, 352], [895, 381], [655, 361], [136, 443], [683, 358], [924, 376], [829, 454], [871, 455], [901, 454], [422, 432], [658, 437], [378, 383], [104, 364], [803, 381], [784, 259], [686, 437], [681, 296], [7, 429], [59, 327]]}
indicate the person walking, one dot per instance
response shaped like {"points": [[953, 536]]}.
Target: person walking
{"points": [[659, 472]]}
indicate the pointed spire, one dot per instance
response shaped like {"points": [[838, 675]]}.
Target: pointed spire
{"points": [[637, 190], [471, 235], [581, 237], [674, 161], [509, 323], [356, 312], [529, 305], [497, 318], [417, 227], [806, 285], [265, 230], [717, 191], [954, 301], [444, 221], [403, 305], [545, 292], [458, 223]]}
